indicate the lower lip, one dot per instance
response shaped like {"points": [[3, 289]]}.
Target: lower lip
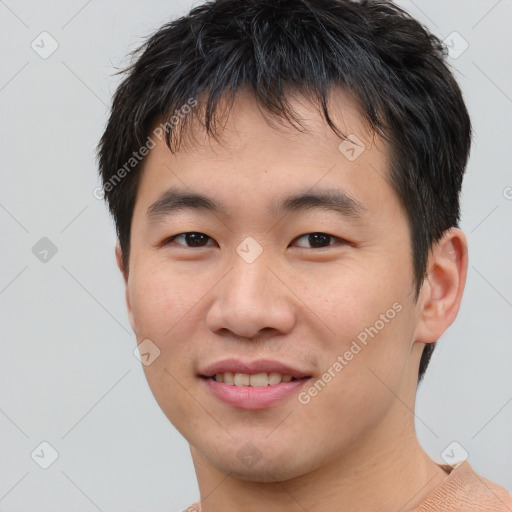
{"points": [[249, 397]]}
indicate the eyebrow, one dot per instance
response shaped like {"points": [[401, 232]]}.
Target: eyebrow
{"points": [[330, 199]]}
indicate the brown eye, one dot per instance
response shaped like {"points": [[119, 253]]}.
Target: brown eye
{"points": [[189, 239], [318, 240]]}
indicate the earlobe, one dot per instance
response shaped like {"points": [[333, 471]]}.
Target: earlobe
{"points": [[119, 261], [442, 290]]}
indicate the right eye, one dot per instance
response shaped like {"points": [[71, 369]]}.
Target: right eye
{"points": [[190, 239]]}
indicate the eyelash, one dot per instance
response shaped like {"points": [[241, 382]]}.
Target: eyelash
{"points": [[167, 241]]}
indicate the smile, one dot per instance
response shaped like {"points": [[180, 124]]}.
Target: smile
{"points": [[253, 397]]}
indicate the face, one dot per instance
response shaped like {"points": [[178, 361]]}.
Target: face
{"points": [[319, 285]]}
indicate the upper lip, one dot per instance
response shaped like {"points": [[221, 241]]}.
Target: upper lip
{"points": [[251, 368]]}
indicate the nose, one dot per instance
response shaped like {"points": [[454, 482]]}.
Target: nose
{"points": [[252, 299]]}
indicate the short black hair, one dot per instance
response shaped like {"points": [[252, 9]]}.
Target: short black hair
{"points": [[387, 61]]}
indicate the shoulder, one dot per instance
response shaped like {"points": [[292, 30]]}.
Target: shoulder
{"points": [[465, 490]]}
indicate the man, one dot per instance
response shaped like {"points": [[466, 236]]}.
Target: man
{"points": [[285, 177]]}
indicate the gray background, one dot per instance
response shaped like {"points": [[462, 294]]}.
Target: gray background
{"points": [[68, 373]]}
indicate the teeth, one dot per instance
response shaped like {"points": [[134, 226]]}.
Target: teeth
{"points": [[255, 380]]}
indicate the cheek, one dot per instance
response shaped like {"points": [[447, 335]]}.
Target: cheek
{"points": [[170, 388], [372, 320], [163, 311], [353, 300], [356, 390], [159, 301]]}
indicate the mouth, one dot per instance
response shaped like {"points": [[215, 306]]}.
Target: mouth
{"points": [[252, 391], [256, 380], [252, 385], [260, 372]]}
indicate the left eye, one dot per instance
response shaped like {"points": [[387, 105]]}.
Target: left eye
{"points": [[318, 240]]}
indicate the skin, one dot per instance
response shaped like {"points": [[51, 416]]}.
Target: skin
{"points": [[353, 446]]}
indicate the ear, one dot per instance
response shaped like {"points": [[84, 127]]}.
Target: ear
{"points": [[124, 272], [441, 293]]}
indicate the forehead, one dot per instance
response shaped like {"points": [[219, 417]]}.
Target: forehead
{"points": [[244, 115], [256, 155]]}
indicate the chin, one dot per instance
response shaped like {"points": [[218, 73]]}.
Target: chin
{"points": [[280, 467]]}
